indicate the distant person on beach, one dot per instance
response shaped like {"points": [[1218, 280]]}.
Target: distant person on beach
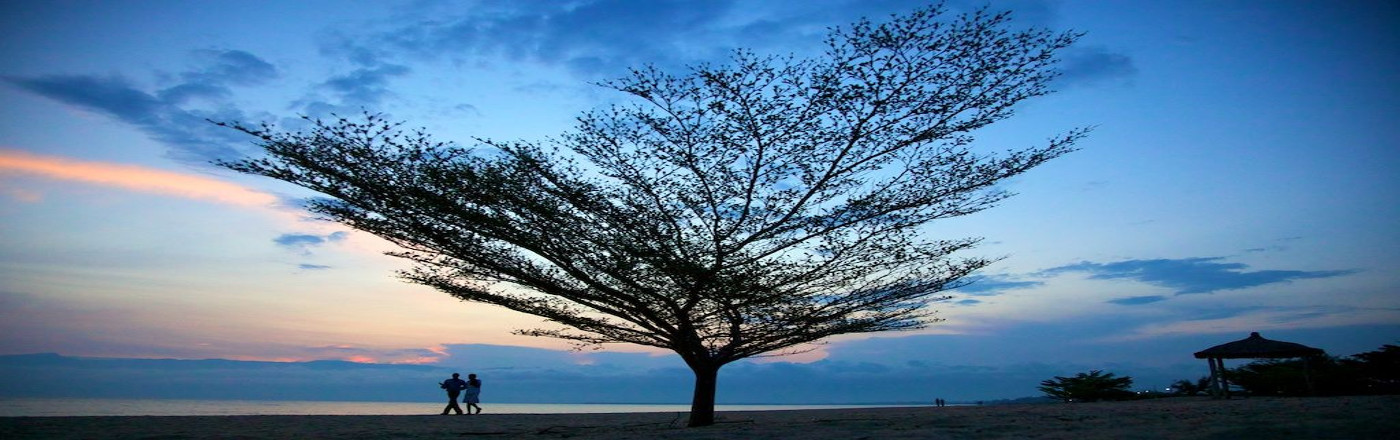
{"points": [[454, 386], [473, 395]]}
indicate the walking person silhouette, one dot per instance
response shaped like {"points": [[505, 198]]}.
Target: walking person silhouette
{"points": [[473, 394], [454, 386]]}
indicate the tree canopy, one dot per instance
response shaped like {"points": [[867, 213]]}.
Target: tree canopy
{"points": [[730, 211]]}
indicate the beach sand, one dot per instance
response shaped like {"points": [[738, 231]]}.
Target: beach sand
{"points": [[1358, 417]]}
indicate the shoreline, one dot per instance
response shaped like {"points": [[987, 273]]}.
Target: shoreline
{"points": [[1354, 417], [63, 407]]}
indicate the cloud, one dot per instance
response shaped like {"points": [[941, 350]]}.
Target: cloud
{"points": [[596, 39], [312, 266], [305, 242], [1339, 322], [1088, 65], [186, 131], [1137, 300], [365, 86], [230, 67], [217, 70], [192, 138], [113, 95], [135, 178], [298, 240], [989, 285], [603, 38], [595, 36], [412, 356], [1192, 275], [21, 194], [184, 93]]}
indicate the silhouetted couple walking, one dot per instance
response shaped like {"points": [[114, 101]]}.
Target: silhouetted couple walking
{"points": [[469, 389]]}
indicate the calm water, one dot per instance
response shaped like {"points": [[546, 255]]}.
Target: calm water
{"points": [[171, 407]]}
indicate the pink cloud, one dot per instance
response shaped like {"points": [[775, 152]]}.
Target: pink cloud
{"points": [[21, 194], [133, 178]]}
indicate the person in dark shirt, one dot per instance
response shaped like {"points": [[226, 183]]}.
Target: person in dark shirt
{"points": [[454, 386]]}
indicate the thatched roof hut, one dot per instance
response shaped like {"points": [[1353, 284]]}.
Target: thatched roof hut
{"points": [[1256, 347], [1253, 347]]}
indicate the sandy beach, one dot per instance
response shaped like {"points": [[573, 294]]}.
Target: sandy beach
{"points": [[1358, 417]]}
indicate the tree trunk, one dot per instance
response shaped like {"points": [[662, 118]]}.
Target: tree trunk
{"points": [[702, 405]]}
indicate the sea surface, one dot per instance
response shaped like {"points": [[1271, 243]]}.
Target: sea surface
{"points": [[42, 407]]}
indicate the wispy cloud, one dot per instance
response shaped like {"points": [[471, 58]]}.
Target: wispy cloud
{"points": [[1246, 319], [168, 114], [1094, 65], [303, 240], [236, 67], [367, 85], [989, 285], [595, 40], [1192, 275], [134, 178], [586, 37], [602, 39], [303, 243], [377, 355], [1137, 300]]}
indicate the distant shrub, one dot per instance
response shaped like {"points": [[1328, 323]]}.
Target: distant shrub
{"points": [[1088, 387], [1186, 387]]}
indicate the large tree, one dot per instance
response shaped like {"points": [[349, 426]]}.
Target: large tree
{"points": [[730, 211]]}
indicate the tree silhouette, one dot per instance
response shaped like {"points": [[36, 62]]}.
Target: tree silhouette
{"points": [[1377, 371], [1087, 387], [730, 212]]}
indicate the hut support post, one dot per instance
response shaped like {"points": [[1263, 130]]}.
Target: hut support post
{"points": [[1214, 379], [1224, 381], [1307, 375]]}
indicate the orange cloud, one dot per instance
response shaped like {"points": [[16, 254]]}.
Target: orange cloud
{"points": [[133, 178]]}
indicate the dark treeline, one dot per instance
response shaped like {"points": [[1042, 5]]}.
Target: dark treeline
{"points": [[1372, 372]]}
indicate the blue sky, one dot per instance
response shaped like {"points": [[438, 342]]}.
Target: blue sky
{"points": [[1240, 178]]}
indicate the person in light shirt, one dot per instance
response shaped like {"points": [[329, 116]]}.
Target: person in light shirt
{"points": [[472, 396]]}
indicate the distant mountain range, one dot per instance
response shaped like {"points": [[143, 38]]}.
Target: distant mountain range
{"points": [[512, 375], [53, 375]]}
